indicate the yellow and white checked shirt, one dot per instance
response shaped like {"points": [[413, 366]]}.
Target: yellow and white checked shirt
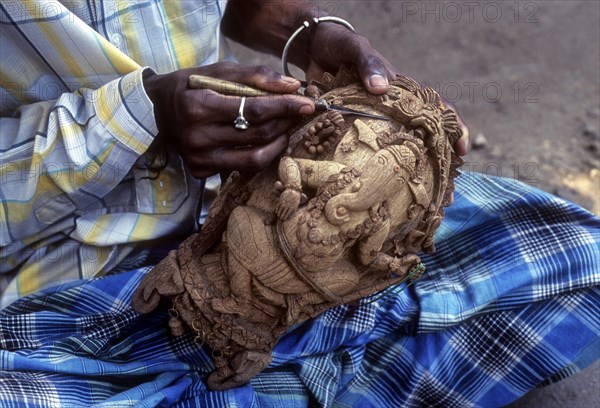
{"points": [[75, 195]]}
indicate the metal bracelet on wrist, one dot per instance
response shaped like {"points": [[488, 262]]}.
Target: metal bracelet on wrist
{"points": [[306, 24]]}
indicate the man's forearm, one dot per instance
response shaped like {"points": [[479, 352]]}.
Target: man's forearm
{"points": [[266, 26]]}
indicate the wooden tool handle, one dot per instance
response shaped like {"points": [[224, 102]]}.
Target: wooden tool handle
{"points": [[224, 87]]}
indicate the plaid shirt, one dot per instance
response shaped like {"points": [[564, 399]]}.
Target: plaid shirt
{"points": [[509, 302], [76, 193]]}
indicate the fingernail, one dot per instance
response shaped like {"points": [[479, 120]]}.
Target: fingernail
{"points": [[378, 81], [306, 109], [289, 80]]}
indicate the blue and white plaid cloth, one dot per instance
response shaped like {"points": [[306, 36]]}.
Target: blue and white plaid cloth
{"points": [[509, 302]]}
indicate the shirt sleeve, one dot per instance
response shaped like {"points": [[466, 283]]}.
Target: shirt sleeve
{"points": [[62, 155]]}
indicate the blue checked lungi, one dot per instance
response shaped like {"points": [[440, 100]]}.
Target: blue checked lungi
{"points": [[509, 302]]}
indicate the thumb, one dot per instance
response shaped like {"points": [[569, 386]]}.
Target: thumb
{"points": [[373, 72]]}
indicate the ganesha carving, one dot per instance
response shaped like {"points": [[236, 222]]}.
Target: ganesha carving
{"points": [[342, 215]]}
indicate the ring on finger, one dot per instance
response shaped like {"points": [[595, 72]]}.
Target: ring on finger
{"points": [[240, 122]]}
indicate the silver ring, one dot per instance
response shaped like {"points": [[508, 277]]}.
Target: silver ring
{"points": [[240, 122]]}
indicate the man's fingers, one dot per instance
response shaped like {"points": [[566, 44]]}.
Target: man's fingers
{"points": [[269, 80], [375, 71], [267, 108], [461, 147], [203, 106], [201, 137], [261, 77], [251, 159]]}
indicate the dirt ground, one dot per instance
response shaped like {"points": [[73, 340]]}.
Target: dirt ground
{"points": [[525, 76]]}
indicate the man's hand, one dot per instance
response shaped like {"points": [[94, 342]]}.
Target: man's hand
{"points": [[333, 45], [199, 123], [266, 27]]}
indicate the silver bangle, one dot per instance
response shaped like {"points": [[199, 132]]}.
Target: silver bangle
{"points": [[306, 24]]}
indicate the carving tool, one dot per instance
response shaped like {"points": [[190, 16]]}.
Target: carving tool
{"points": [[234, 89]]}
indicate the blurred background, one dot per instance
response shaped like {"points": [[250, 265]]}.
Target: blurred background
{"points": [[525, 77]]}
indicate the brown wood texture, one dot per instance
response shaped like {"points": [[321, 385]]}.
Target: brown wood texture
{"points": [[342, 215]]}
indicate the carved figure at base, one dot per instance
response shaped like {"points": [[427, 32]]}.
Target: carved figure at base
{"points": [[341, 216]]}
